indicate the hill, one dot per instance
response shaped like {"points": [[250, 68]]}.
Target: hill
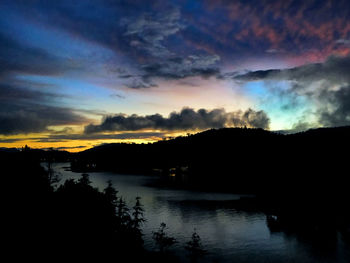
{"points": [[233, 159]]}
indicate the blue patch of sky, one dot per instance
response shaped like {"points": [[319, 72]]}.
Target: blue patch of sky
{"points": [[275, 97], [54, 41], [83, 95], [73, 89]]}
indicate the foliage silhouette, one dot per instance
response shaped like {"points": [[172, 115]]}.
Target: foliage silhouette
{"points": [[138, 219], [74, 221], [111, 194]]}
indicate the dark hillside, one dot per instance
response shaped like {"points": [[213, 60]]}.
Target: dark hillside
{"points": [[234, 159]]}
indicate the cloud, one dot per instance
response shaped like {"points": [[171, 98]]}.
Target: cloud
{"points": [[342, 41], [65, 148], [25, 111], [337, 109], [203, 66], [118, 96], [16, 57], [36, 119], [291, 25], [251, 118], [146, 36], [186, 119], [334, 69], [140, 82], [144, 30], [21, 122], [178, 67], [29, 106], [327, 84], [274, 51], [56, 137], [148, 31]]}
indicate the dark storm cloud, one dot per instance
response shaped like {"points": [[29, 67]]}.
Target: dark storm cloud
{"points": [[327, 83], [29, 111], [19, 121], [35, 118], [186, 119], [13, 92]]}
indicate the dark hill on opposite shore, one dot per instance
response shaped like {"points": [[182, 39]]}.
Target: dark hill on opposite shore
{"points": [[233, 159]]}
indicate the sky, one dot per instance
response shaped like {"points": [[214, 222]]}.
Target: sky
{"points": [[76, 74]]}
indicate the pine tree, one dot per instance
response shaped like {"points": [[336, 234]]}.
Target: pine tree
{"points": [[111, 194], [138, 217], [123, 215], [137, 220]]}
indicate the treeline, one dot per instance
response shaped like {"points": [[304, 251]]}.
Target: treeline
{"points": [[75, 221], [43, 155]]}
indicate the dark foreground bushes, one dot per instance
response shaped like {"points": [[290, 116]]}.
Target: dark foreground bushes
{"points": [[74, 221]]}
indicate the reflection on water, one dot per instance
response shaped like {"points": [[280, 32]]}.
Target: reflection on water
{"points": [[227, 234]]}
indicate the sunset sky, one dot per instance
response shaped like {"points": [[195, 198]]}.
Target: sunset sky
{"points": [[75, 74]]}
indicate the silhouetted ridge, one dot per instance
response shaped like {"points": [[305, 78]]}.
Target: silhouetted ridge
{"points": [[232, 159]]}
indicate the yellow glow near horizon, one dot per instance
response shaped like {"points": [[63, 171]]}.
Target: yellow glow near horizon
{"points": [[71, 146], [32, 141], [78, 145]]}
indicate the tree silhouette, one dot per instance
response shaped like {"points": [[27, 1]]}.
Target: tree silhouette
{"points": [[138, 217], [137, 220], [163, 241], [123, 216], [195, 248], [111, 194]]}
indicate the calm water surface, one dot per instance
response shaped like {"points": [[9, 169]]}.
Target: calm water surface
{"points": [[227, 234]]}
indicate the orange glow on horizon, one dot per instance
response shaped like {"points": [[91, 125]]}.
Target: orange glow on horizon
{"points": [[32, 141]]}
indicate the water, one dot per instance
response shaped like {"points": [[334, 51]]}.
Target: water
{"points": [[227, 234]]}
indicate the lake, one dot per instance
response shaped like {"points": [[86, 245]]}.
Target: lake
{"points": [[228, 235]]}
